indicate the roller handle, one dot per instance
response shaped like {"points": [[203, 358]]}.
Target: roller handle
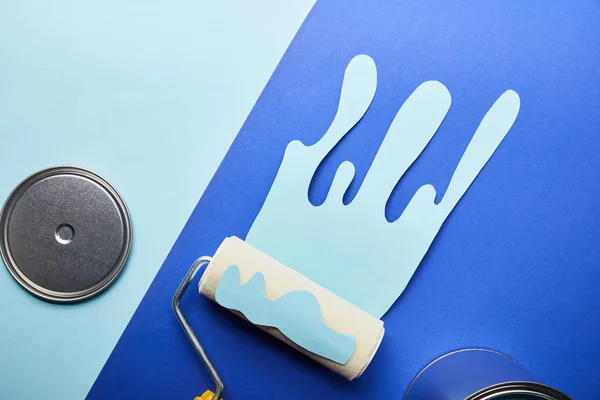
{"points": [[208, 395]]}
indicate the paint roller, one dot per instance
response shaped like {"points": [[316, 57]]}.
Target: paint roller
{"points": [[287, 305]]}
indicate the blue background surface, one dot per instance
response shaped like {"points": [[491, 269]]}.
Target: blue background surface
{"points": [[516, 266]]}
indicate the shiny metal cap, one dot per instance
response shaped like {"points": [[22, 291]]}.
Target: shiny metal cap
{"points": [[65, 234]]}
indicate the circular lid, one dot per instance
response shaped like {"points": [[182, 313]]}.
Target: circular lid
{"points": [[65, 234]]}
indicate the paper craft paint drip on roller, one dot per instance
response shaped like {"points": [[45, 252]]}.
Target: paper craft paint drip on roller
{"points": [[289, 306], [352, 249], [296, 314]]}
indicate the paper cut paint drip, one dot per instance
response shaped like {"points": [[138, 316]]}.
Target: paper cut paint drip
{"points": [[296, 314], [353, 250]]}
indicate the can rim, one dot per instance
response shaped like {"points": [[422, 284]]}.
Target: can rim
{"points": [[12, 266], [491, 392], [521, 387]]}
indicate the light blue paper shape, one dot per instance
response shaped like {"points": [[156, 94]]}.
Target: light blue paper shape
{"points": [[296, 314], [352, 249]]}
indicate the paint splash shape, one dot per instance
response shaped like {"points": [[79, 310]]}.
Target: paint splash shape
{"points": [[296, 314], [352, 249]]}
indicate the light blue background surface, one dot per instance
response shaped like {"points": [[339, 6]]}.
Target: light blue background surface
{"points": [[149, 95]]}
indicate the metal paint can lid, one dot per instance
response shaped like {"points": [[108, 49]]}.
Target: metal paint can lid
{"points": [[65, 234]]}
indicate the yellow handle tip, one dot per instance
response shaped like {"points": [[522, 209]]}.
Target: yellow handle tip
{"points": [[208, 395]]}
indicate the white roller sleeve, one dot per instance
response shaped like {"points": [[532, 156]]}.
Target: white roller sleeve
{"points": [[339, 315]]}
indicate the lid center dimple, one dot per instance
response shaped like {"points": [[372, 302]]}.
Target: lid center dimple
{"points": [[64, 234]]}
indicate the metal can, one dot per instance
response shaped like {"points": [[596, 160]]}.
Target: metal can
{"points": [[479, 374]]}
